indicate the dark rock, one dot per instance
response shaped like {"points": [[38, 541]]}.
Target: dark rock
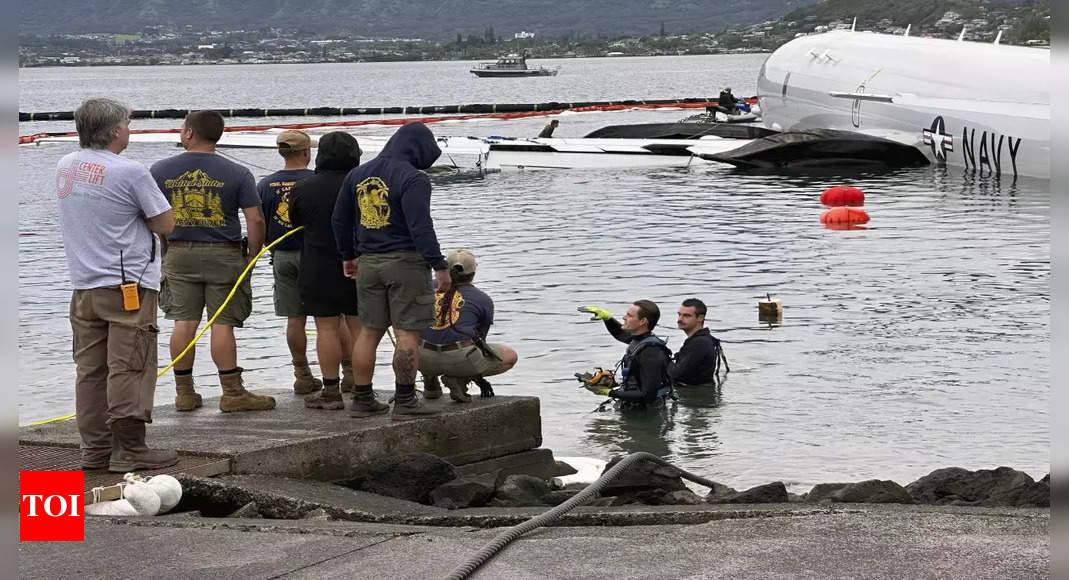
{"points": [[521, 490], [872, 491], [536, 462], [643, 475], [718, 491], [564, 469], [412, 477], [821, 491], [774, 492], [652, 496], [602, 501], [795, 498], [249, 510], [1046, 479], [466, 492], [681, 497], [985, 487], [560, 496]]}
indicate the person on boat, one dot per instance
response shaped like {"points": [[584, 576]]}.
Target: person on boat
{"points": [[547, 131], [382, 221], [455, 347], [325, 293], [295, 147], [110, 209], [696, 363], [726, 102], [205, 256], [644, 366]]}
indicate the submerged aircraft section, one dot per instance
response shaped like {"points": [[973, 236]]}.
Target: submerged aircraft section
{"points": [[980, 106]]}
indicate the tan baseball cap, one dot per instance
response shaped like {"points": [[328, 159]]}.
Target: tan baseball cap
{"points": [[294, 140], [462, 258]]}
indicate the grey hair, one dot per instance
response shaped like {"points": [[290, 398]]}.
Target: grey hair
{"points": [[96, 118]]}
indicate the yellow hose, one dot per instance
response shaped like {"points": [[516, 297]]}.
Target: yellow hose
{"points": [[206, 326]]}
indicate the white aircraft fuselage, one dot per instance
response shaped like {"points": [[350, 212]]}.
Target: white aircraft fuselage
{"points": [[980, 106]]}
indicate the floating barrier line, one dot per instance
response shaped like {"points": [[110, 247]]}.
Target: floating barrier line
{"points": [[561, 107]]}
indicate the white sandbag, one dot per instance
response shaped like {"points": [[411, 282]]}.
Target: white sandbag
{"points": [[144, 499], [119, 507], [168, 488]]}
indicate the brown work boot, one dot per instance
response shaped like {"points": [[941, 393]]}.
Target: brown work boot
{"points": [[305, 381], [186, 398], [95, 459], [432, 389], [365, 404], [406, 405], [458, 388], [133, 454], [347, 380], [236, 398], [329, 399]]}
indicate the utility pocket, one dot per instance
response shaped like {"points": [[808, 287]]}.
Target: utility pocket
{"points": [[134, 349]]}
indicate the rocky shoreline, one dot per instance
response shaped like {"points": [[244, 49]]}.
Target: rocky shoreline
{"points": [[425, 485]]}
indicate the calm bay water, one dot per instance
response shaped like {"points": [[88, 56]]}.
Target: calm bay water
{"points": [[917, 343]]}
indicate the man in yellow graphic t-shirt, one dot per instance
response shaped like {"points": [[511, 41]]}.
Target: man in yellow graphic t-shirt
{"points": [[205, 257]]}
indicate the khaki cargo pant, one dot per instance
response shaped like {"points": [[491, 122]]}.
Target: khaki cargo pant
{"points": [[115, 356]]}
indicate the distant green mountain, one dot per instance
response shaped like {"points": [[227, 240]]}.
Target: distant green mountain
{"points": [[429, 19], [902, 12]]}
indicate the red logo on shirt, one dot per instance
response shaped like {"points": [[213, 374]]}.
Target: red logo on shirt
{"points": [[51, 506], [82, 171]]}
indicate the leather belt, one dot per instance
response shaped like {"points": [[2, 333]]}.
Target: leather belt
{"points": [[190, 244], [446, 347]]}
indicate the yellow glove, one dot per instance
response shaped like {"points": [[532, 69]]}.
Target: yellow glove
{"points": [[599, 313]]}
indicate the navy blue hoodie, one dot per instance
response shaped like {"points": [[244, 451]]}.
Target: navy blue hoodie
{"points": [[385, 204]]}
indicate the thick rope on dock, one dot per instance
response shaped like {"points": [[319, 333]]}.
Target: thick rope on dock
{"points": [[590, 492]]}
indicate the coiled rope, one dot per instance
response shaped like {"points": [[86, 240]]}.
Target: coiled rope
{"points": [[589, 493]]}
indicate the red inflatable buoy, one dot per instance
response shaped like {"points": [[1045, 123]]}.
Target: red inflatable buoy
{"points": [[844, 216], [842, 195]]}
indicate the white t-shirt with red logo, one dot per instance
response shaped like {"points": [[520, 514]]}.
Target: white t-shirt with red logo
{"points": [[104, 200]]}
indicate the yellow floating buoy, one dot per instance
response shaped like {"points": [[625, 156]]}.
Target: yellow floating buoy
{"points": [[770, 308]]}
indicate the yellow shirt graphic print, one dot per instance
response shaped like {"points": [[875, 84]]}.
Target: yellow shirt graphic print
{"points": [[196, 200], [454, 311], [372, 197]]}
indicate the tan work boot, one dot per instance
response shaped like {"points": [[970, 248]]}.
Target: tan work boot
{"points": [[458, 388], [365, 404], [236, 398], [432, 389], [186, 398], [329, 399], [347, 380], [305, 381], [133, 454], [406, 405]]}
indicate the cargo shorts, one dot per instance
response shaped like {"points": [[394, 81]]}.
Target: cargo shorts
{"points": [[394, 289], [468, 361], [285, 265], [199, 276]]}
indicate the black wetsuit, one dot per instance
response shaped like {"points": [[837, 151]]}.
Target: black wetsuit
{"points": [[648, 367], [696, 361]]}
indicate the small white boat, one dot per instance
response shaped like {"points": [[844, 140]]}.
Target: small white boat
{"points": [[512, 65]]}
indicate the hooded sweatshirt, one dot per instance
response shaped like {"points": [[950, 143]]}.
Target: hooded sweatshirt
{"points": [[385, 204], [312, 203]]}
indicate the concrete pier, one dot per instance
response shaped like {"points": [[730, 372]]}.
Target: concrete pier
{"points": [[297, 442]]}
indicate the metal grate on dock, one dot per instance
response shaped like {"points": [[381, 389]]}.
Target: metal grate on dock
{"points": [[58, 458]]}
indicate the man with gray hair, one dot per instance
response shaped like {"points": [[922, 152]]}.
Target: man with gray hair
{"points": [[109, 211]]}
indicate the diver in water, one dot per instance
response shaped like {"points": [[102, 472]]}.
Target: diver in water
{"points": [[644, 366]]}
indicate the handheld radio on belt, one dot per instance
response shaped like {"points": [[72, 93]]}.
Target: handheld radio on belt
{"points": [[131, 300]]}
